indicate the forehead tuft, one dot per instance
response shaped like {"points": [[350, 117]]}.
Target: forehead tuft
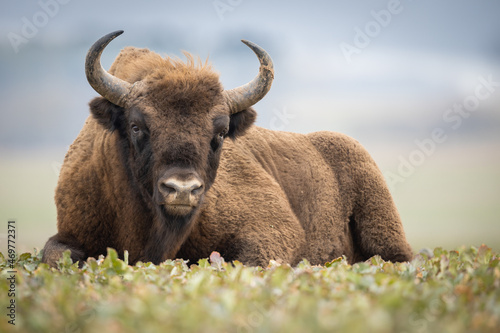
{"points": [[180, 84]]}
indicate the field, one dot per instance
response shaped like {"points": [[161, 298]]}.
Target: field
{"points": [[439, 291]]}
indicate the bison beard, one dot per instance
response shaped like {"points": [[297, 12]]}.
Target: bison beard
{"points": [[169, 165], [167, 234]]}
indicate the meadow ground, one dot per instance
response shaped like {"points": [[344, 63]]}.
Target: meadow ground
{"points": [[439, 291]]}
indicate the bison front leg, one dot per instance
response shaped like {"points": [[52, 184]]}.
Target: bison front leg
{"points": [[279, 238], [55, 247]]}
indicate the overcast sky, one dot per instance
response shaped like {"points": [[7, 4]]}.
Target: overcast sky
{"points": [[340, 65]]}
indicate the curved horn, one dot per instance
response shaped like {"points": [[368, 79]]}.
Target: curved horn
{"points": [[108, 86], [247, 95]]}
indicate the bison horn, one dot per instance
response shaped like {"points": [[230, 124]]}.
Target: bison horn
{"points": [[247, 95], [108, 86]]}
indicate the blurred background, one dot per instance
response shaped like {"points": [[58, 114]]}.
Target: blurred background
{"points": [[417, 83]]}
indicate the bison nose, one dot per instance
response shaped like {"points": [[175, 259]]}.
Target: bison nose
{"points": [[181, 192]]}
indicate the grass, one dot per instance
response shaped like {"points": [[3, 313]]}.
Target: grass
{"points": [[439, 291]]}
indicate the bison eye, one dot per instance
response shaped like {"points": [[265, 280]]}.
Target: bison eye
{"points": [[135, 129], [222, 134]]}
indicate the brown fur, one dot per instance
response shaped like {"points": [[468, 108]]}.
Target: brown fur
{"points": [[269, 195]]}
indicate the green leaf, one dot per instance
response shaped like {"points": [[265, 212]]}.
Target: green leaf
{"points": [[484, 254], [65, 261], [25, 256], [334, 262], [203, 263], [30, 267], [125, 257]]}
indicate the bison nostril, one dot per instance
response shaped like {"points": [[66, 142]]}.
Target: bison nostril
{"points": [[197, 189], [168, 188]]}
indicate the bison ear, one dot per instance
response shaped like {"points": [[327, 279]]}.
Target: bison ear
{"points": [[240, 122], [106, 113]]}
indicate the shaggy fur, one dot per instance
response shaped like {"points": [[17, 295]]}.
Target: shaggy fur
{"points": [[267, 194]]}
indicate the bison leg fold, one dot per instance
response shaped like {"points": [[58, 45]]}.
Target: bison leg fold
{"points": [[55, 247]]}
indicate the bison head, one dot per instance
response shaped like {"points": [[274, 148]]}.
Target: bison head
{"points": [[172, 118]]}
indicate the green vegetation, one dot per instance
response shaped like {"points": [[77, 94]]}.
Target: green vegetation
{"points": [[439, 291]]}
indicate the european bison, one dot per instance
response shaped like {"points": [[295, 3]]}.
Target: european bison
{"points": [[170, 165]]}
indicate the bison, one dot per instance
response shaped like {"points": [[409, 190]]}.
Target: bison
{"points": [[170, 165]]}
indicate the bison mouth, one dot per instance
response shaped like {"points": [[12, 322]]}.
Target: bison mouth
{"points": [[177, 209], [177, 216]]}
